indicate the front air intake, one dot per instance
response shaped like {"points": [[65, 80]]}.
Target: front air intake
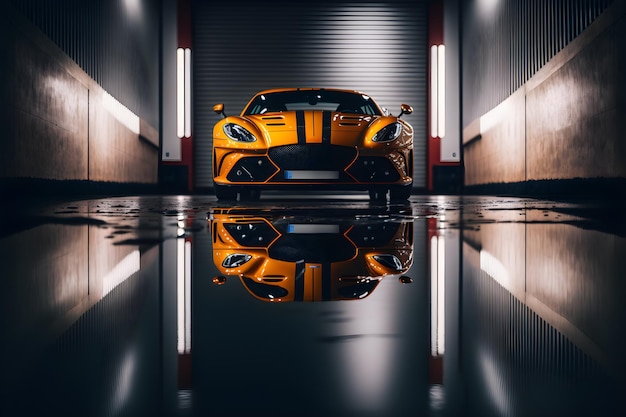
{"points": [[312, 157], [251, 169]]}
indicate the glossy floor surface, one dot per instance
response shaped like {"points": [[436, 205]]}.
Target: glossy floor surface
{"points": [[316, 306]]}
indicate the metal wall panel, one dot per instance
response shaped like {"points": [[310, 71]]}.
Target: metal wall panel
{"points": [[243, 47], [512, 348], [505, 43], [115, 42]]}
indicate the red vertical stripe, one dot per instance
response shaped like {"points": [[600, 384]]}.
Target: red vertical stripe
{"points": [[435, 37], [184, 41], [184, 23]]}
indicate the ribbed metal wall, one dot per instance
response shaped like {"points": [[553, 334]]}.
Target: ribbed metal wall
{"points": [[116, 42], [240, 48], [521, 348], [505, 42], [103, 345]]}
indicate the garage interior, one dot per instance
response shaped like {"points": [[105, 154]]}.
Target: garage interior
{"points": [[513, 121], [519, 191]]}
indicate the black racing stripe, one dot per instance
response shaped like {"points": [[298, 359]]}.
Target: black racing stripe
{"points": [[301, 127], [299, 284], [326, 118], [326, 293]]}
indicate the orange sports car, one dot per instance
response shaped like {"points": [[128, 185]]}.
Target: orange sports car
{"points": [[312, 138], [282, 257]]}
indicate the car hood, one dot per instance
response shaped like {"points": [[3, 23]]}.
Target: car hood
{"points": [[312, 126]]}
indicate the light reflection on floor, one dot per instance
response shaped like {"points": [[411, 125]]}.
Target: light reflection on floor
{"points": [[325, 305]]}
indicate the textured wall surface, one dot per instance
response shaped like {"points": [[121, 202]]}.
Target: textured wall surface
{"points": [[572, 270], [114, 41], [117, 154], [56, 126], [536, 294], [506, 42], [574, 117], [47, 115], [565, 122], [495, 146]]}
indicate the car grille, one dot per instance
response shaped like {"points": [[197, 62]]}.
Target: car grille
{"points": [[312, 157], [312, 248]]}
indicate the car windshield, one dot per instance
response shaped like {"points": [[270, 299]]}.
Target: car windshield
{"points": [[340, 101]]}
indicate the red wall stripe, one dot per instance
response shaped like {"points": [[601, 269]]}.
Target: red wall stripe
{"points": [[184, 34], [435, 37]]}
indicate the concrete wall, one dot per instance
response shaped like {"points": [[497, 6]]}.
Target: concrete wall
{"points": [[561, 272], [494, 145], [57, 275], [575, 105], [55, 125], [565, 122]]}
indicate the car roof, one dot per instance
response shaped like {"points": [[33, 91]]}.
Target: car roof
{"points": [[281, 90]]}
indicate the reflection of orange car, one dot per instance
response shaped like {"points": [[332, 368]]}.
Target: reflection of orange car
{"points": [[285, 258], [321, 138]]}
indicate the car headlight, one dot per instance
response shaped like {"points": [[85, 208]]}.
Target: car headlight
{"points": [[238, 133], [388, 133], [236, 259], [390, 261]]}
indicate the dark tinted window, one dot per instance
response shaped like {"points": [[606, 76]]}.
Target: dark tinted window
{"points": [[340, 101]]}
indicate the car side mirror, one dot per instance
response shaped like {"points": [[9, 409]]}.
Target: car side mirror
{"points": [[405, 109], [219, 109]]}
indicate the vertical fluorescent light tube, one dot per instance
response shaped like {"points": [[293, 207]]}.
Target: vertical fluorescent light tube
{"points": [[433, 91], [180, 92], [187, 92], [441, 91], [441, 297], [180, 294], [187, 297], [433, 296]]}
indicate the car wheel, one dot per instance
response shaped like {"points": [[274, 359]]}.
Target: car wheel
{"points": [[401, 192], [223, 192]]}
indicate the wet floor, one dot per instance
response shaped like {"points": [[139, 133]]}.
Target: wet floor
{"points": [[320, 306]]}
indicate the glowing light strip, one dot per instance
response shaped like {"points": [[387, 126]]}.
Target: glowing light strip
{"points": [[434, 106], [441, 294], [441, 91], [180, 92], [180, 295], [437, 91], [433, 296], [183, 92], [121, 272], [121, 113], [183, 294], [187, 297], [187, 92], [437, 296], [495, 269]]}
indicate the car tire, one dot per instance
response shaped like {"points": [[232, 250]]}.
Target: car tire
{"points": [[400, 192], [223, 192]]}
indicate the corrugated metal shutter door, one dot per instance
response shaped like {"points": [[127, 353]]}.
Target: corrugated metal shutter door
{"points": [[242, 47]]}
